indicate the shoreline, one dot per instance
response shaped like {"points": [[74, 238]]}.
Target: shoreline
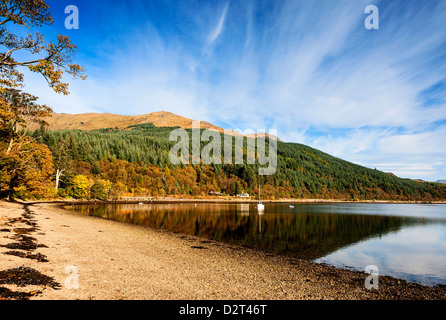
{"points": [[162, 200], [116, 260]]}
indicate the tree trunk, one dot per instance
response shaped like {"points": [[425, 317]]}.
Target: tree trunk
{"points": [[59, 173], [10, 146]]}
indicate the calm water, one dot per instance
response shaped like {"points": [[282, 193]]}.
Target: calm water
{"points": [[403, 240]]}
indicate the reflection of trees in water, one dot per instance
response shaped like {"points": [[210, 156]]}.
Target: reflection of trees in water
{"points": [[303, 235], [312, 235]]}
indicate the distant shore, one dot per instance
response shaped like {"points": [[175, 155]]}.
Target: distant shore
{"points": [[116, 260], [233, 200]]}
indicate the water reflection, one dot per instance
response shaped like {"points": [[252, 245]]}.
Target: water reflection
{"points": [[416, 253], [340, 234], [243, 209], [301, 232]]}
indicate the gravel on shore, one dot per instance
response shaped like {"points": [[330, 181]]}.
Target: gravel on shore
{"points": [[53, 254]]}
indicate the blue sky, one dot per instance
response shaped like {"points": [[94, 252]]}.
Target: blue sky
{"points": [[309, 69]]}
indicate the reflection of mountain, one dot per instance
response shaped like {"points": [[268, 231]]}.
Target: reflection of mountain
{"points": [[302, 235], [310, 236]]}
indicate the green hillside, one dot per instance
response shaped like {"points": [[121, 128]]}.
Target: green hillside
{"points": [[135, 161]]}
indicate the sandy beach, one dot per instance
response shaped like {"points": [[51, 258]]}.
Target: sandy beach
{"points": [[45, 251]]}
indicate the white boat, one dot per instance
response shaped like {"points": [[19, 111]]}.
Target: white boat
{"points": [[260, 206]]}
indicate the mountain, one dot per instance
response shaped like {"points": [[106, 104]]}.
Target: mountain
{"points": [[131, 154], [95, 121], [441, 181]]}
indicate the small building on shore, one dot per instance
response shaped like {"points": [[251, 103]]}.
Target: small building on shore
{"points": [[243, 195]]}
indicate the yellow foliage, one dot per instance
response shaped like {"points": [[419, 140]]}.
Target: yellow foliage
{"points": [[80, 187]]}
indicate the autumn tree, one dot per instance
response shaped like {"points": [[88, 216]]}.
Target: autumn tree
{"points": [[28, 169], [80, 187], [17, 108]]}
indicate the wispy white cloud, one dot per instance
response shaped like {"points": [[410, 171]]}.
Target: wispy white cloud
{"points": [[220, 26]]}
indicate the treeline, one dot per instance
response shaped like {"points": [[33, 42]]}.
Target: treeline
{"points": [[135, 161]]}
